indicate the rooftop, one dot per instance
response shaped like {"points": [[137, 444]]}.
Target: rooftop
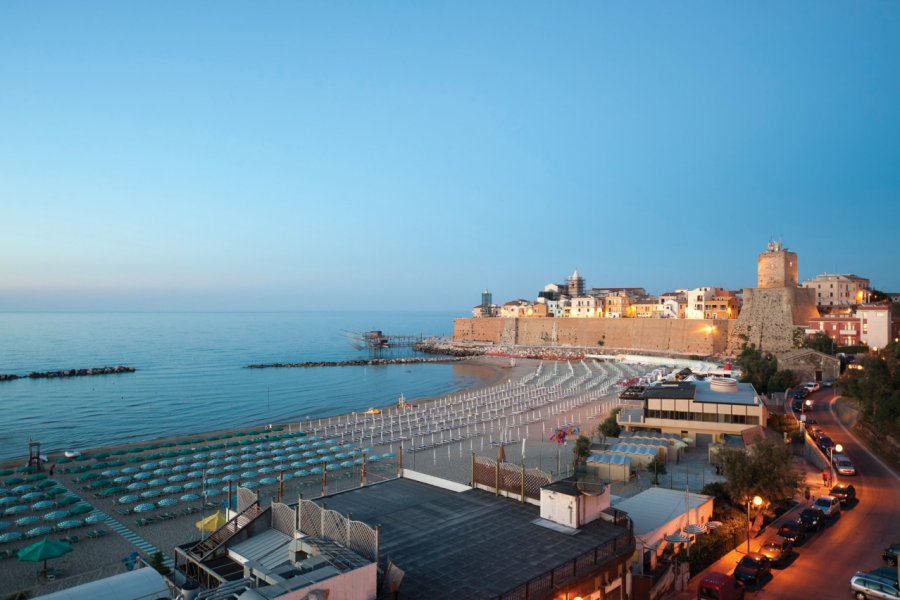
{"points": [[457, 544], [656, 506], [701, 391]]}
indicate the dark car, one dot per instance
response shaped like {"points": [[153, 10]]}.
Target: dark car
{"points": [[845, 492], [778, 550], [891, 553], [814, 432], [812, 518], [794, 531], [797, 406], [752, 568], [800, 393], [825, 442]]}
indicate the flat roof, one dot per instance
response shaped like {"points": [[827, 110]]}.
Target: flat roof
{"points": [[701, 391], [656, 506], [457, 544]]}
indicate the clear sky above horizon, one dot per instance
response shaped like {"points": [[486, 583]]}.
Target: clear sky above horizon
{"points": [[300, 155]]}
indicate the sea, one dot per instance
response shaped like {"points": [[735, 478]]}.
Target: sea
{"points": [[191, 373]]}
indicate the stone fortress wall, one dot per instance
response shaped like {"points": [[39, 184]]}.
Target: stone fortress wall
{"points": [[769, 317]]}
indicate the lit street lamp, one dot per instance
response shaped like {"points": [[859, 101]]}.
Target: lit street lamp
{"points": [[757, 502], [837, 448]]}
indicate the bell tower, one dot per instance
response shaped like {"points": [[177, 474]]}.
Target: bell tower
{"points": [[776, 267]]}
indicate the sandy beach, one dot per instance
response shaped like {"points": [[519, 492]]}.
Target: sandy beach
{"points": [[176, 462]]}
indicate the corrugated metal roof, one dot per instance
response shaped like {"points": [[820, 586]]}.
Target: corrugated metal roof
{"points": [[610, 459], [269, 549], [656, 506]]}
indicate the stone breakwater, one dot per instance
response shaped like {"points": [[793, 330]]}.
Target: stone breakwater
{"points": [[463, 349], [69, 373], [372, 362]]}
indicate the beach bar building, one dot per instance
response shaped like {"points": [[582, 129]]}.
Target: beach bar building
{"points": [[700, 412]]}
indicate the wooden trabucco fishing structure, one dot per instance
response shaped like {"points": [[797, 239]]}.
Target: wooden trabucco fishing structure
{"points": [[376, 341]]}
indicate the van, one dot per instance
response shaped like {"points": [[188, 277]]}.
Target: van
{"points": [[719, 586], [880, 583]]}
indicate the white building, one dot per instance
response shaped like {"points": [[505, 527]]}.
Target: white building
{"points": [[696, 302], [875, 325], [584, 307]]}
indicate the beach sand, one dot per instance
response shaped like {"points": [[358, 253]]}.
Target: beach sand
{"points": [[95, 558]]}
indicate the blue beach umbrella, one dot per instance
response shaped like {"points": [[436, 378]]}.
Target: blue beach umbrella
{"points": [[167, 502], [181, 468], [128, 499], [301, 473], [110, 472], [150, 494], [69, 524], [309, 454], [190, 497], [162, 471], [145, 507], [347, 464], [213, 492], [177, 478], [215, 471], [332, 467], [248, 474], [192, 485], [11, 536], [315, 471], [149, 466], [172, 489], [96, 518], [43, 505], [167, 462], [122, 479], [29, 520], [22, 488], [138, 485], [15, 510], [250, 485], [8, 500], [156, 482], [213, 480], [265, 470], [143, 476], [215, 462], [80, 509], [130, 470], [194, 474], [232, 477], [268, 481], [42, 530], [55, 515]]}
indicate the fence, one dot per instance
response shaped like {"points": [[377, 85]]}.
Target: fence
{"points": [[331, 525], [510, 479]]}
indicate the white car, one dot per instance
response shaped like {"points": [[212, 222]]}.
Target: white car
{"points": [[812, 386], [829, 505], [843, 465]]}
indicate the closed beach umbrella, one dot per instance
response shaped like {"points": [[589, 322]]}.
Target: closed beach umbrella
{"points": [[44, 550], [167, 502], [145, 507], [15, 510], [11, 536], [190, 497], [95, 519], [42, 530], [29, 520], [56, 515], [69, 524], [128, 499], [212, 522], [150, 494], [43, 505]]}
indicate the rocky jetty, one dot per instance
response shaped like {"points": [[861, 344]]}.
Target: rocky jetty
{"points": [[372, 362], [69, 373]]}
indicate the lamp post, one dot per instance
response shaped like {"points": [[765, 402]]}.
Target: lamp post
{"points": [[838, 448], [756, 501]]}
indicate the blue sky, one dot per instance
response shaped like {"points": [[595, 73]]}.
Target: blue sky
{"points": [[280, 156]]}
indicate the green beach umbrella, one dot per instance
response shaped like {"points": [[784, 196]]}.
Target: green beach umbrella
{"points": [[44, 550]]}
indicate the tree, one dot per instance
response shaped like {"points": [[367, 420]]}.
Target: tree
{"points": [[782, 380], [581, 450], [609, 427], [763, 469], [876, 386], [757, 367], [820, 342], [657, 467], [156, 561]]}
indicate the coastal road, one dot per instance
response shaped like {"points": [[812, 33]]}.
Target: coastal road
{"points": [[823, 565]]}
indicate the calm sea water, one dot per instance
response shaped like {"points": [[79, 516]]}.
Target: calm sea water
{"points": [[191, 376]]}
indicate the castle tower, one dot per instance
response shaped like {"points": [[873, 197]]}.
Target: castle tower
{"points": [[576, 285], [776, 267], [487, 302]]}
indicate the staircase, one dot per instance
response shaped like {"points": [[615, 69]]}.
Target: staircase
{"points": [[204, 549]]}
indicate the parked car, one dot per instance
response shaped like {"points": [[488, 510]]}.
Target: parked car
{"points": [[752, 568], [812, 386], [778, 550], [825, 442], [843, 465], [891, 553], [828, 383], [812, 518], [794, 531], [829, 505], [797, 406], [879, 583], [844, 492], [800, 393], [719, 586], [814, 432]]}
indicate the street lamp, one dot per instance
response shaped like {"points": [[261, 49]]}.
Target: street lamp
{"points": [[757, 502], [836, 448]]}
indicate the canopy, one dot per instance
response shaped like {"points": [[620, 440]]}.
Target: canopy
{"points": [[212, 522]]}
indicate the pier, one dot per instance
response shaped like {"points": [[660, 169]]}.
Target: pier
{"points": [[68, 373], [372, 362]]}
